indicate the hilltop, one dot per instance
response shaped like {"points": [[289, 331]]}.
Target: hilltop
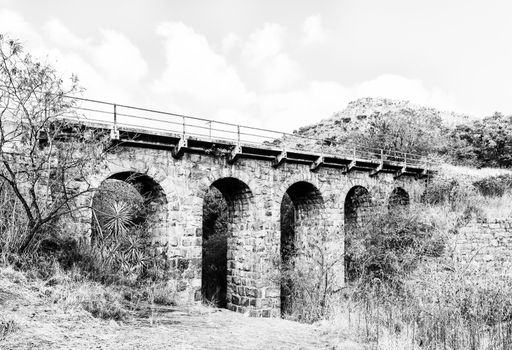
{"points": [[360, 114], [382, 123]]}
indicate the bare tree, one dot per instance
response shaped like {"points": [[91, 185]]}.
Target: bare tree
{"points": [[46, 155]]}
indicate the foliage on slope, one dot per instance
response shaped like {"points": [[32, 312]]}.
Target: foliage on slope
{"points": [[402, 126], [386, 124]]}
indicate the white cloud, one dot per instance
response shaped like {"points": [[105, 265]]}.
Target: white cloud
{"points": [[264, 55], [290, 110], [264, 43], [229, 42], [198, 80], [196, 74], [57, 32], [279, 73], [313, 30], [16, 27], [110, 69], [118, 58]]}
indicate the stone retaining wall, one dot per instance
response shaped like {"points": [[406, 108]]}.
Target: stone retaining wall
{"points": [[485, 245]]}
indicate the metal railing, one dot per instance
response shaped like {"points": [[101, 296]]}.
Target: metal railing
{"points": [[117, 116]]}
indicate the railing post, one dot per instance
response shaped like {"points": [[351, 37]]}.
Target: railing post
{"points": [[210, 129], [405, 159], [238, 133], [183, 127], [382, 155], [354, 153], [115, 131], [115, 116]]}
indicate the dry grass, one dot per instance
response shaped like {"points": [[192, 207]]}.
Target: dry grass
{"points": [[464, 172], [7, 327], [442, 310], [92, 297], [466, 195], [163, 294], [51, 314]]}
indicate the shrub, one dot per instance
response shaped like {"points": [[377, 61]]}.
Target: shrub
{"points": [[311, 278], [98, 300], [164, 294], [391, 245], [494, 186], [215, 247], [447, 190]]}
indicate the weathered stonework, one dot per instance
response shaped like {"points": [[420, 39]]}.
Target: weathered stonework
{"points": [[254, 190], [485, 245]]}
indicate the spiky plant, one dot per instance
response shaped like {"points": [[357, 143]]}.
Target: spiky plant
{"points": [[118, 218]]}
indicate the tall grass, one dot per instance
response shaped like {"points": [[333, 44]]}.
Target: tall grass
{"points": [[409, 292], [436, 309], [12, 224], [440, 303]]}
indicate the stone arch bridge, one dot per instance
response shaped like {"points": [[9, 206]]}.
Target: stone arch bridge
{"points": [[179, 163]]}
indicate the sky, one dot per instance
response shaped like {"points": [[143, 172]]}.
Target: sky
{"points": [[274, 64]]}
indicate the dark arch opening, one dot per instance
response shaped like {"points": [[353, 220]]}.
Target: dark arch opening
{"points": [[145, 185], [399, 199], [300, 212], [356, 206], [356, 212], [136, 197], [225, 212], [129, 212]]}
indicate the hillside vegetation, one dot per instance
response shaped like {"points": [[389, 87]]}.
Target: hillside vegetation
{"points": [[402, 126]]}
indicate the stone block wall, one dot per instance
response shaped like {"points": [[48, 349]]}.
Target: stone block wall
{"points": [[486, 245]]}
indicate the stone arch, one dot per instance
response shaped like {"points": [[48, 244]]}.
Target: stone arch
{"points": [[399, 198], [153, 203], [237, 193], [357, 208], [307, 202], [213, 176], [239, 202], [309, 177], [301, 212]]}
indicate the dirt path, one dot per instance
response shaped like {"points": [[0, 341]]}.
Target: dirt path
{"points": [[169, 329], [43, 326], [36, 319]]}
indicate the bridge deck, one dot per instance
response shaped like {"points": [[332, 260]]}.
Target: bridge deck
{"points": [[143, 127], [276, 152]]}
